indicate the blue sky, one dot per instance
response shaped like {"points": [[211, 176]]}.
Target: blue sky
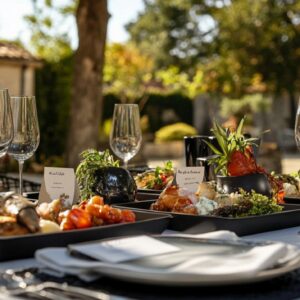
{"points": [[13, 26]]}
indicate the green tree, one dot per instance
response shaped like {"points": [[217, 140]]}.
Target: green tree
{"points": [[53, 44], [170, 31], [48, 40], [242, 41], [262, 37], [127, 72]]}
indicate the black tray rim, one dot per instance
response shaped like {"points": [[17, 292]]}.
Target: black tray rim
{"points": [[150, 191]]}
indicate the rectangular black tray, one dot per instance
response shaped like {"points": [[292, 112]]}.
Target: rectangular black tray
{"points": [[151, 191], [192, 224], [289, 200], [141, 195], [22, 246]]}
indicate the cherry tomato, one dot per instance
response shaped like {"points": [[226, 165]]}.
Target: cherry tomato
{"points": [[66, 224], [128, 215], [80, 218], [97, 200]]}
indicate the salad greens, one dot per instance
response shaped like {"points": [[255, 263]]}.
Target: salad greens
{"points": [[156, 179], [250, 204]]}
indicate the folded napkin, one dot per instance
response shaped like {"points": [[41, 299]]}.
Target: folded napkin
{"points": [[59, 262]]}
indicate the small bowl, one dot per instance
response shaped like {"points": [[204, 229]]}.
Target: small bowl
{"points": [[115, 185], [257, 182]]}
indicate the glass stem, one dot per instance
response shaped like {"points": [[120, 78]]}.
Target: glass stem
{"points": [[21, 164], [125, 164]]}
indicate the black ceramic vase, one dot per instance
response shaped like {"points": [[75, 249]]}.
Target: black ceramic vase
{"points": [[115, 185], [257, 182]]}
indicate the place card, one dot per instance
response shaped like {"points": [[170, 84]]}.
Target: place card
{"points": [[59, 183], [123, 249], [189, 177]]}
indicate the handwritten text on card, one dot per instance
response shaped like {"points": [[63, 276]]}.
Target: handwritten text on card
{"points": [[189, 177]]}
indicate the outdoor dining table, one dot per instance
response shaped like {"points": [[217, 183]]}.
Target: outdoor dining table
{"points": [[284, 287]]}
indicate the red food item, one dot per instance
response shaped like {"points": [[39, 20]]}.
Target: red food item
{"points": [[110, 215], [93, 213], [128, 215], [241, 163], [97, 200], [94, 210], [67, 224], [80, 218]]}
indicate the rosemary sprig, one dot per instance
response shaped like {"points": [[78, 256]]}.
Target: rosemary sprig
{"points": [[91, 161]]}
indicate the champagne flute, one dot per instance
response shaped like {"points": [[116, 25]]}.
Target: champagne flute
{"points": [[126, 136], [6, 122], [297, 126], [26, 131]]}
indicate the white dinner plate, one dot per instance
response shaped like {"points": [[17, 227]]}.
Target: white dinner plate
{"points": [[155, 269]]}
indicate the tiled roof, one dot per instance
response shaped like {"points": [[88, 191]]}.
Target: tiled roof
{"points": [[14, 52]]}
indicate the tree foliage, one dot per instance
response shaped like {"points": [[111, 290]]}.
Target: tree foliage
{"points": [[171, 31], [239, 45], [48, 40], [127, 71]]}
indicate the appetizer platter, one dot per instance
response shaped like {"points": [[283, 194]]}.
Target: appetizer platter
{"points": [[244, 198], [155, 180], [288, 216], [25, 227]]}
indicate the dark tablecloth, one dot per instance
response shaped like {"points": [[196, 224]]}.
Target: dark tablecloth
{"points": [[284, 287]]}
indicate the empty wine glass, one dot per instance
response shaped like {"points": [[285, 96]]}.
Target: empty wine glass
{"points": [[126, 135], [26, 131], [6, 122], [297, 126]]}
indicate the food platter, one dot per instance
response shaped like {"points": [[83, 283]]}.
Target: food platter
{"points": [[289, 217], [22, 246]]}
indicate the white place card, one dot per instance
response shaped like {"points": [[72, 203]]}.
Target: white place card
{"points": [[124, 249], [58, 182], [189, 177]]}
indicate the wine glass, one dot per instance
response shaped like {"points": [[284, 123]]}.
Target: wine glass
{"points": [[26, 131], [126, 136], [6, 122], [297, 126]]}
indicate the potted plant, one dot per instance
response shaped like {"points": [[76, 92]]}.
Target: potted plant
{"points": [[235, 163]]}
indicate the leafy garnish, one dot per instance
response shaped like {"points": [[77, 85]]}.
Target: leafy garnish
{"points": [[91, 161], [250, 204]]}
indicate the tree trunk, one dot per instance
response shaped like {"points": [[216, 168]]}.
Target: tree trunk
{"points": [[91, 17], [293, 108]]}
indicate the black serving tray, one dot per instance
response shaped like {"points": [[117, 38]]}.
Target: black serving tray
{"points": [[141, 195], [22, 246], [150, 191], [290, 200], [192, 224]]}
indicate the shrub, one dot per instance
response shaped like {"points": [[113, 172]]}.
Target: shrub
{"points": [[174, 132], [247, 105]]}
